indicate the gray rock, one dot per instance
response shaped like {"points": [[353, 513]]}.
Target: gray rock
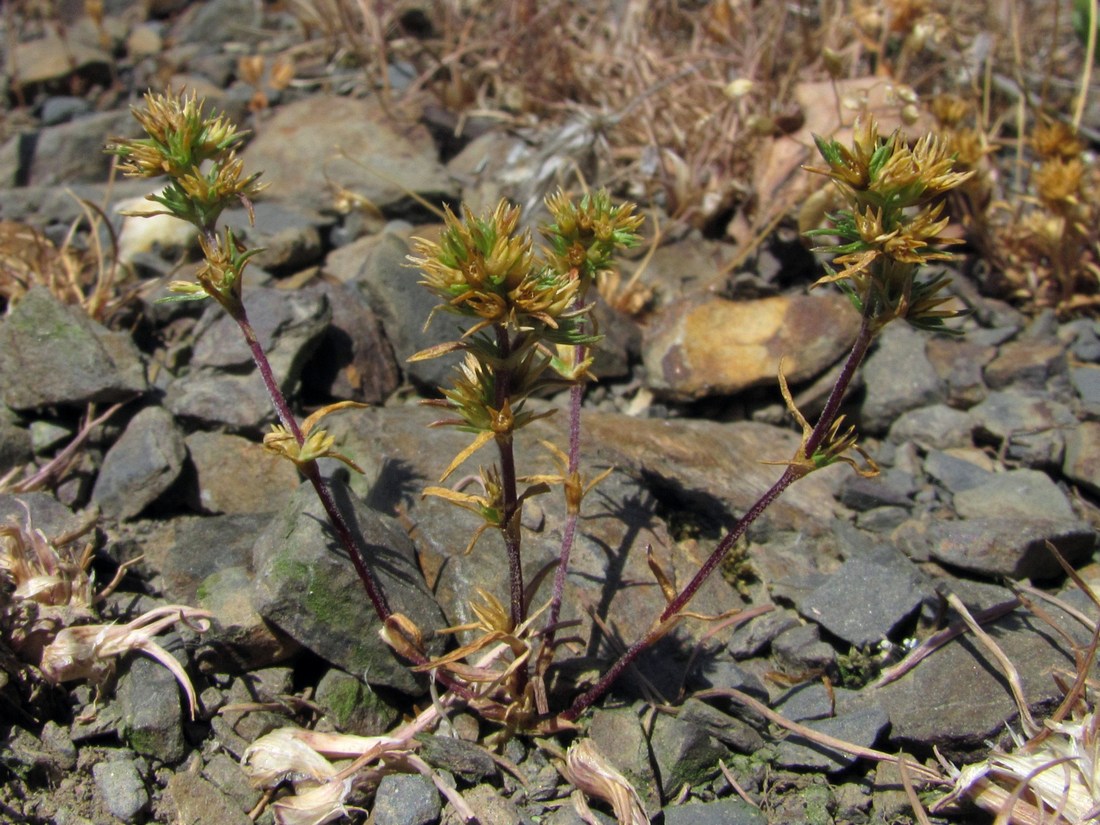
{"points": [[619, 736], [53, 57], [465, 759], [236, 475], [684, 754], [892, 488], [957, 698], [959, 363], [152, 715], [488, 806], [718, 812], [403, 799], [899, 377], [351, 706], [1083, 337], [121, 788], [1023, 494], [225, 773], [1027, 428], [15, 442], [1025, 364], [353, 143], [354, 360], [306, 586], [63, 108], [378, 267], [1081, 464], [727, 729], [216, 399], [936, 427], [752, 638], [47, 758], [288, 325], [1086, 382], [143, 464], [190, 798], [219, 21], [995, 547], [800, 649], [288, 234], [54, 354], [867, 599], [957, 471], [861, 726], [73, 152]]}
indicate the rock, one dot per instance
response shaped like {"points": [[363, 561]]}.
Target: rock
{"points": [[240, 638], [1086, 382], [728, 730], [351, 706], [378, 267], [225, 773], [862, 726], [191, 800], [1081, 464], [403, 799], [718, 812], [54, 354], [462, 758], [73, 152], [219, 21], [121, 788], [683, 753], [306, 586], [142, 465], [619, 736], [957, 699], [15, 442], [893, 488], [996, 547], [151, 710], [898, 377], [213, 399], [288, 326], [47, 759], [958, 470], [936, 427], [234, 729], [236, 475], [1023, 494], [50, 59], [754, 637], [959, 361], [488, 806], [354, 360], [868, 599], [800, 649], [1025, 364], [62, 109], [352, 143], [719, 347], [1029, 429], [289, 235]]}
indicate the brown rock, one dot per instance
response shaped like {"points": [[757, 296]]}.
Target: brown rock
{"points": [[1082, 461], [722, 347], [236, 475]]}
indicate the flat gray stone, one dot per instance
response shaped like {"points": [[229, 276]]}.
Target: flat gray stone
{"points": [[142, 465], [55, 354], [404, 799], [153, 708], [862, 726], [1023, 494], [898, 377], [1010, 547], [718, 812], [121, 788], [1081, 464], [1029, 427]]}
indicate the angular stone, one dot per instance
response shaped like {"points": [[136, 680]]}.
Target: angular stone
{"points": [[236, 475], [55, 354], [718, 812], [684, 754], [192, 799], [143, 464], [350, 706], [73, 152], [719, 347], [1010, 547], [959, 362], [1032, 426], [619, 736], [15, 442], [867, 599], [1081, 464], [219, 399], [120, 786], [1025, 363], [152, 715], [287, 234], [862, 726], [898, 377], [53, 58], [402, 799], [800, 649], [352, 143], [1022, 494], [306, 586], [936, 427]]}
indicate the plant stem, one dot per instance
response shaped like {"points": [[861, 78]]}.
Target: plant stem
{"points": [[820, 431], [510, 519], [311, 470]]}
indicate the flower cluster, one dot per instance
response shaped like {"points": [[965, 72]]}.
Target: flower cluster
{"points": [[893, 224]]}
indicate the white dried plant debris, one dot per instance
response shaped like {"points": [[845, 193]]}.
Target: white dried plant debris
{"points": [[41, 571], [589, 771]]}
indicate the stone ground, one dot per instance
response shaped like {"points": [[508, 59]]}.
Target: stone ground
{"points": [[989, 445]]}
